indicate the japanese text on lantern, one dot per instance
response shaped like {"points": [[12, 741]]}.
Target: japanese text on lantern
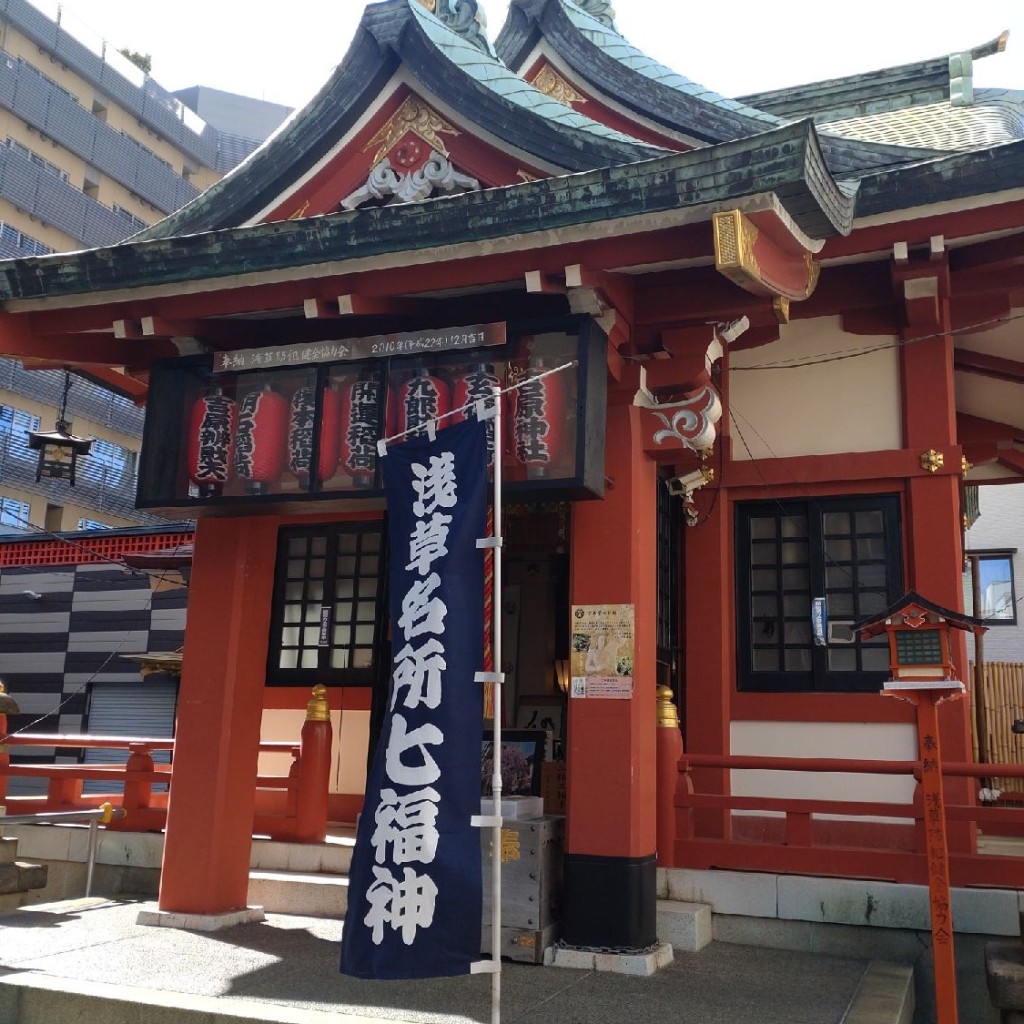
{"points": [[406, 817]]}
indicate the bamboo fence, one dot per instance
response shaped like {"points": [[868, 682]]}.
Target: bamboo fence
{"points": [[1003, 700]]}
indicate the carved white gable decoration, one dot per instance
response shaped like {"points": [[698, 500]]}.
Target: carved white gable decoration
{"points": [[411, 162], [386, 183]]}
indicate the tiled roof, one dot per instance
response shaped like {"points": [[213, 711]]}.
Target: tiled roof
{"points": [[636, 60], [997, 116], [495, 76]]}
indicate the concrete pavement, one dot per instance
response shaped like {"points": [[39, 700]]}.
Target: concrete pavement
{"points": [[89, 961]]}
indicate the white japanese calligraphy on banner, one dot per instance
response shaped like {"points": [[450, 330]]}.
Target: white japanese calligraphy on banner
{"points": [[406, 818]]}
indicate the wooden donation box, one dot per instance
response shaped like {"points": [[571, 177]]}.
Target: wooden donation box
{"points": [[531, 887]]}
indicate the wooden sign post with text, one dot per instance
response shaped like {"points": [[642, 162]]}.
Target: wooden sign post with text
{"points": [[920, 656]]}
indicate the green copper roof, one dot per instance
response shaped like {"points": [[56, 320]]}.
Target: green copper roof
{"points": [[493, 74], [627, 54]]}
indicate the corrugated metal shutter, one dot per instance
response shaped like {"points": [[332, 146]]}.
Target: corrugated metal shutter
{"points": [[143, 709]]}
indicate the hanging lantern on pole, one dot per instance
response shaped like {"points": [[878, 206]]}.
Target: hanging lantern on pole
{"points": [[359, 429], [59, 448], [476, 383], [211, 440], [539, 420], [261, 439], [300, 434], [420, 399]]}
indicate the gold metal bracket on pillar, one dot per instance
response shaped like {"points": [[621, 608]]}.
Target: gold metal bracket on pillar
{"points": [[318, 710], [932, 460], [668, 716]]}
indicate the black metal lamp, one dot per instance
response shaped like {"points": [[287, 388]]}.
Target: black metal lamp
{"points": [[59, 448]]}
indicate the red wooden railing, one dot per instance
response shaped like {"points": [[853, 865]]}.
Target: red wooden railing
{"points": [[288, 808], [797, 835]]}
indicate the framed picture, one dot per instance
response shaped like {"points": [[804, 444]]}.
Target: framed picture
{"points": [[522, 751], [541, 711]]}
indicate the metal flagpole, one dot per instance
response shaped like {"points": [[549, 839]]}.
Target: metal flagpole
{"points": [[496, 760]]}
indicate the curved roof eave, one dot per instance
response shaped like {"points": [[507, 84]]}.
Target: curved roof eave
{"points": [[392, 34], [786, 162], [949, 178], [617, 68]]}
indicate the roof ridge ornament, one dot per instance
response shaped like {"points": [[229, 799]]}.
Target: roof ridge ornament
{"points": [[599, 10], [465, 18]]}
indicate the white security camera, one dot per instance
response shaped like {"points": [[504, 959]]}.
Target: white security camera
{"points": [[731, 331], [683, 486]]}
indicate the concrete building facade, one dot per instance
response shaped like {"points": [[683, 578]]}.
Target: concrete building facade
{"points": [[92, 150]]}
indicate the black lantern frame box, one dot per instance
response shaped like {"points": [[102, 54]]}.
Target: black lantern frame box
{"points": [[303, 422]]}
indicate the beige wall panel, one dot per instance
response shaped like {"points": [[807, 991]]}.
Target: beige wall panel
{"points": [[872, 741], [350, 732], [814, 407]]}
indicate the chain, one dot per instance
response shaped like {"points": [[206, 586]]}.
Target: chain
{"points": [[614, 950]]}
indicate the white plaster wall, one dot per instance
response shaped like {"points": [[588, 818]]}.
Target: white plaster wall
{"points": [[350, 735], [849, 405], [868, 741], [1001, 525]]}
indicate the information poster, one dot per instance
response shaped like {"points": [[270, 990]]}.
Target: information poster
{"points": [[602, 651]]}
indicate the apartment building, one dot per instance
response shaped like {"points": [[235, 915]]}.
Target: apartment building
{"points": [[92, 150]]}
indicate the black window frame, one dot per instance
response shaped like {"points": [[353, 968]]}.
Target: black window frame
{"points": [[324, 672], [819, 678]]}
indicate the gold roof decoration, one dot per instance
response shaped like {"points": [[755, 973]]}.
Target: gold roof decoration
{"points": [[551, 83], [416, 117]]}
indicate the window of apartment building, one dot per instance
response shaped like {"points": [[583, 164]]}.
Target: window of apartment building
{"points": [[845, 550], [327, 612], [112, 462], [13, 514], [129, 216], [12, 237], [996, 588], [93, 524], [15, 425], [47, 166]]}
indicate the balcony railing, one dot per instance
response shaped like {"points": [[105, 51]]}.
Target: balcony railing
{"points": [[288, 808], [833, 837]]}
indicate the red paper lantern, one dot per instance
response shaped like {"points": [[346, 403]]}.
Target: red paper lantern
{"points": [[472, 384], [300, 434], [419, 400], [539, 421], [261, 440], [211, 438], [359, 429]]}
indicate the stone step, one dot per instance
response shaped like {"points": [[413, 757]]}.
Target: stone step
{"points": [[306, 894], [333, 857], [684, 926]]}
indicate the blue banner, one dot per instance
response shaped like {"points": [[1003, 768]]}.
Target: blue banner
{"points": [[414, 903]]}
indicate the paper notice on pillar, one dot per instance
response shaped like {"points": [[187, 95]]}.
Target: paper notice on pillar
{"points": [[602, 651], [414, 908]]}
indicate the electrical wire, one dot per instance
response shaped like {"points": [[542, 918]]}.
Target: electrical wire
{"points": [[840, 354]]}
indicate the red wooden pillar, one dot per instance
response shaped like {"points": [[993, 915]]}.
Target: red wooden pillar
{"points": [[220, 704], [932, 526], [709, 646], [611, 760]]}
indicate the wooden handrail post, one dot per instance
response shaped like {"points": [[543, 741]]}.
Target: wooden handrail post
{"points": [[684, 806], [314, 770], [669, 750], [138, 793], [8, 706]]}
